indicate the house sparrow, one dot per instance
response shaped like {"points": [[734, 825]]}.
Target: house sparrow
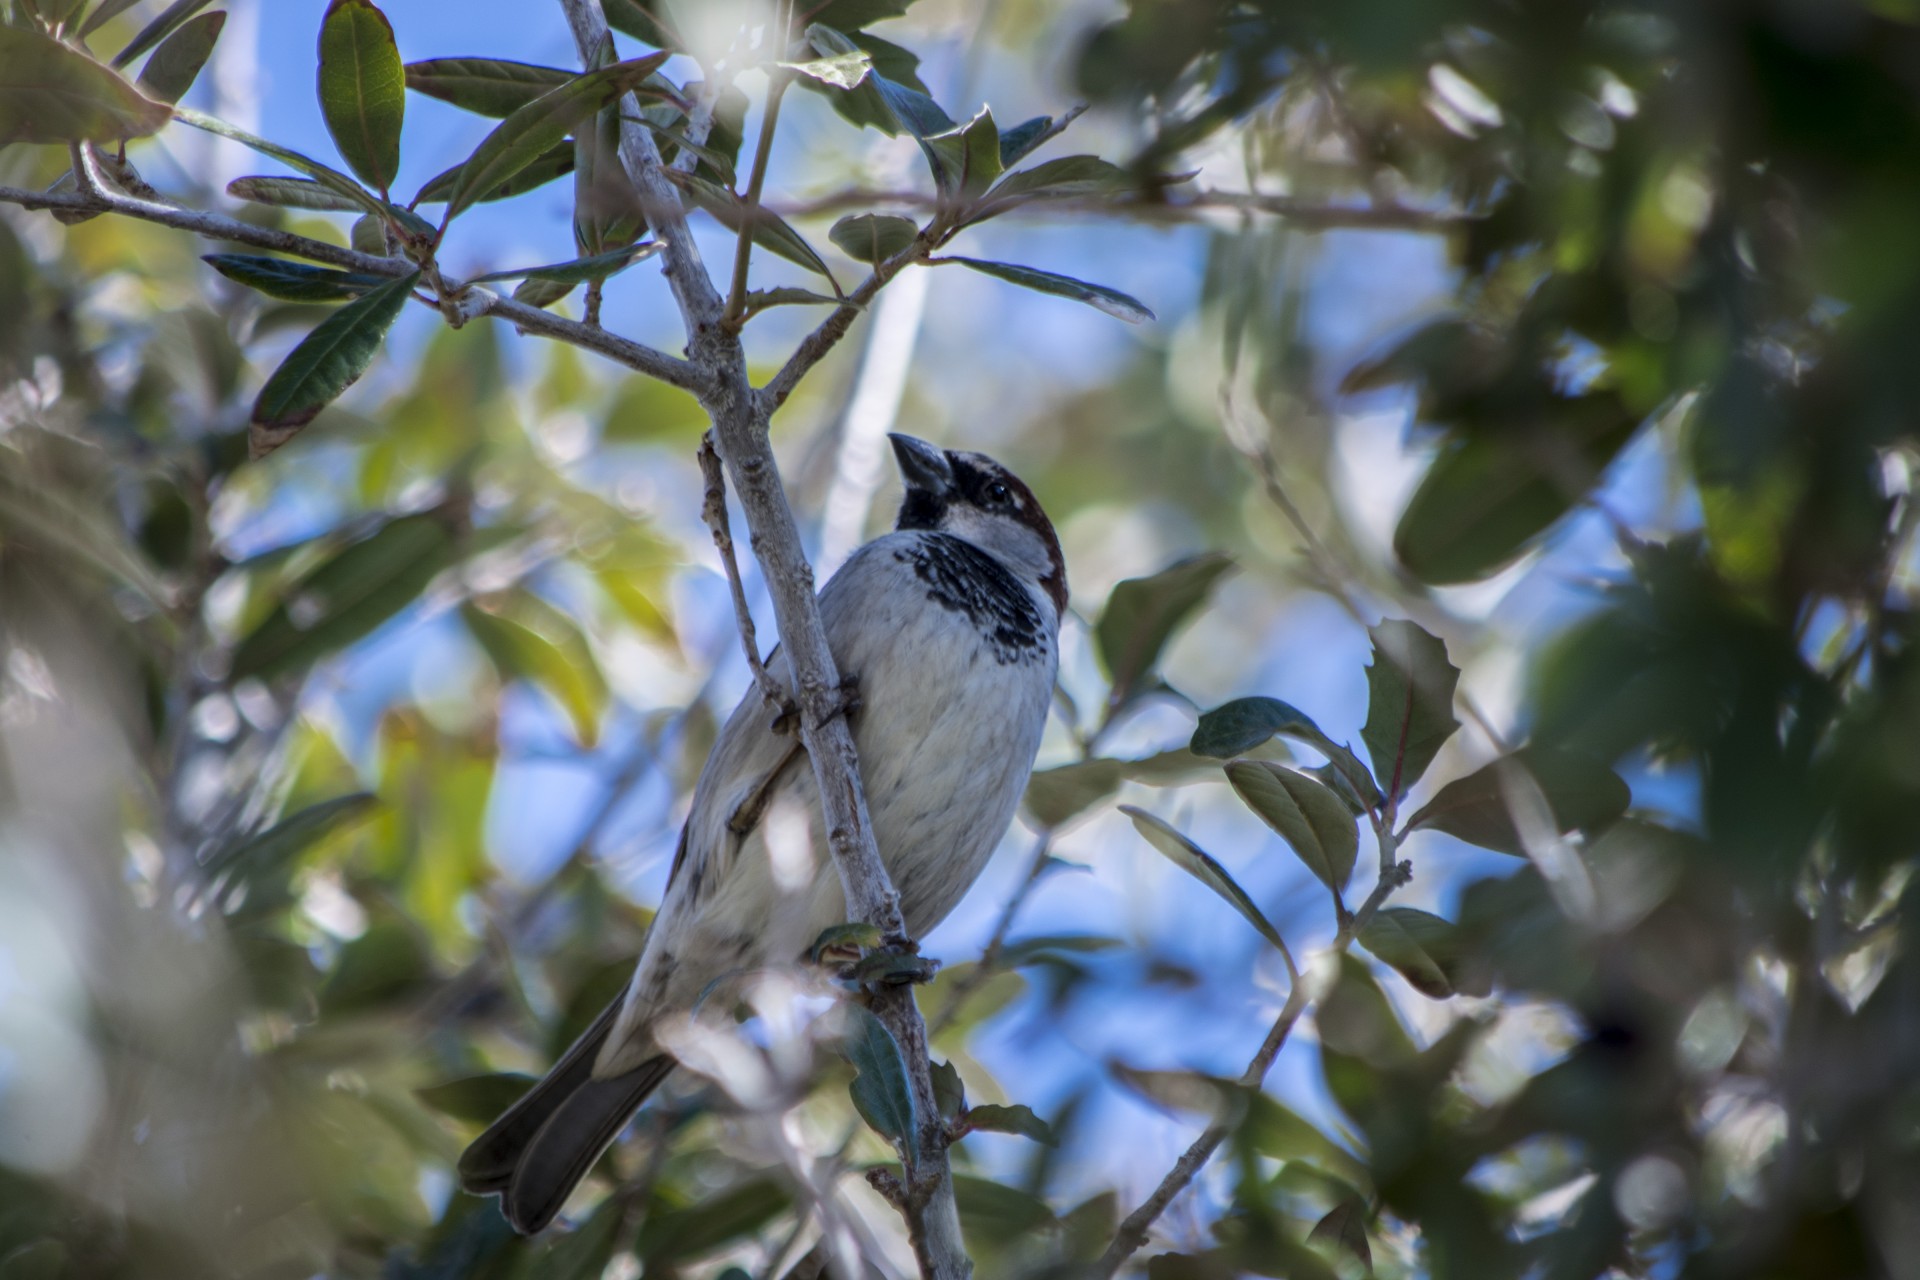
{"points": [[948, 625]]}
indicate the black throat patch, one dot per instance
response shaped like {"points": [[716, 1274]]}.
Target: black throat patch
{"points": [[961, 577]]}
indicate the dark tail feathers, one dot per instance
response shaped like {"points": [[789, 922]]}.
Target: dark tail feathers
{"points": [[541, 1146]]}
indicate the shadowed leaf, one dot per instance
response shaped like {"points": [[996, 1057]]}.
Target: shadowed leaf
{"points": [[291, 193], [580, 270], [1345, 1227], [477, 1099], [289, 280], [881, 1093], [1196, 862], [1582, 792], [1409, 702], [1314, 822], [1017, 1120], [326, 363], [872, 237], [174, 66], [169, 20], [1067, 176], [330, 178], [273, 849], [556, 161], [770, 231], [494, 87], [1142, 615], [1115, 303], [1426, 950]]}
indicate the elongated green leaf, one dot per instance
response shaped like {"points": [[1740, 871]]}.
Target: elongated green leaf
{"points": [[541, 293], [1142, 615], [272, 850], [330, 178], [1182, 1090], [1058, 795], [1196, 862], [477, 1099], [107, 12], [348, 596], [169, 21], [174, 66], [1313, 821], [598, 267], [555, 162], [949, 1091], [1237, 727], [862, 105], [363, 89], [881, 1093], [1409, 703], [1583, 793], [1426, 950], [494, 87], [529, 132], [978, 151], [327, 362], [1019, 142], [761, 299], [289, 280], [640, 19], [51, 92], [770, 231], [291, 193], [873, 237], [1017, 1120], [530, 640], [606, 205], [1115, 303], [1067, 176]]}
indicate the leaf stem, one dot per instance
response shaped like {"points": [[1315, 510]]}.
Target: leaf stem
{"points": [[777, 82]]}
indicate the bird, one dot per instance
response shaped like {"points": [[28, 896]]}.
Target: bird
{"points": [[948, 627]]}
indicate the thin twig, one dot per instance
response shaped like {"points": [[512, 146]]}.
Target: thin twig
{"points": [[714, 511], [750, 208], [989, 961]]}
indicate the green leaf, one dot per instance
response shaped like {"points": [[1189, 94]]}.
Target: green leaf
{"points": [[761, 299], [272, 850], [770, 231], [327, 362], [1314, 822], [169, 20], [639, 19], [844, 68], [949, 1091], [854, 934], [1058, 795], [107, 12], [532, 130], [389, 960], [873, 237], [541, 293], [348, 596], [1067, 176], [1017, 1120], [332, 179], [1426, 950], [580, 270], [530, 640], [292, 193], [556, 161], [1142, 615], [1486, 497], [174, 66], [1183, 1090], [1115, 303], [1237, 727], [606, 206], [51, 92], [1583, 793], [881, 1093], [1345, 1227], [493, 87], [1410, 688], [477, 1099], [289, 280], [863, 106], [1195, 861], [1019, 142], [363, 89]]}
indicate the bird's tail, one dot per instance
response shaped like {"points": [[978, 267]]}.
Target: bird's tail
{"points": [[542, 1146]]}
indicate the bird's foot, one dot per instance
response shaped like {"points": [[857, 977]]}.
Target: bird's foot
{"points": [[846, 702]]}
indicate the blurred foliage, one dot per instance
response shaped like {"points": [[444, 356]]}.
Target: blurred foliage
{"points": [[260, 978]]}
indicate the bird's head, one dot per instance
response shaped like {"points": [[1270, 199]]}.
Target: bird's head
{"points": [[971, 496]]}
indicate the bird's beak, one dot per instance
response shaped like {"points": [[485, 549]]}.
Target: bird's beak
{"points": [[922, 466]]}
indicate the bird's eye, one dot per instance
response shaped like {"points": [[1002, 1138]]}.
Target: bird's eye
{"points": [[997, 493]]}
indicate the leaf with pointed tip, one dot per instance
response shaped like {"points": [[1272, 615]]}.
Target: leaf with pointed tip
{"points": [[1426, 950], [541, 293], [862, 105], [1115, 303], [1582, 792], [528, 639], [761, 299], [330, 178], [1058, 795], [107, 12], [1017, 1120], [880, 1091], [977, 152], [1143, 613], [170, 20], [770, 231], [291, 193], [363, 89], [555, 162], [531, 131], [1345, 1226], [1196, 862], [1067, 176], [1313, 821], [842, 64], [580, 270], [174, 66], [270, 851], [637, 19], [327, 362], [291, 281], [949, 1091], [494, 87], [873, 237], [1410, 688], [1183, 1090], [51, 92], [1237, 727], [1019, 142]]}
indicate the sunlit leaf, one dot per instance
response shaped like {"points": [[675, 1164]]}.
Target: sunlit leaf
{"points": [[1582, 792], [556, 161], [1115, 303], [174, 66], [541, 293], [881, 1092], [291, 193], [51, 92], [873, 237], [292, 281], [330, 178], [1142, 615], [326, 363], [532, 130], [107, 11], [1196, 862], [1410, 687], [363, 89], [495, 87], [169, 20], [1314, 822], [529, 640], [863, 105]]}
